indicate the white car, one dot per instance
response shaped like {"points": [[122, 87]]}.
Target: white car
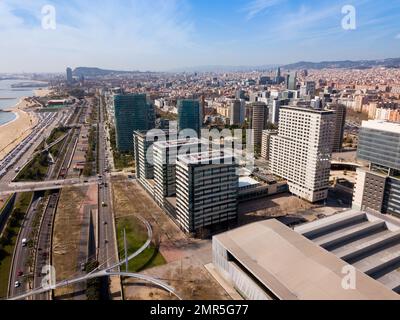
{"points": [[17, 284]]}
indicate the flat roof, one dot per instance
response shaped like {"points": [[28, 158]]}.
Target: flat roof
{"points": [[177, 143], [309, 109], [382, 125], [292, 267], [205, 157], [247, 182]]}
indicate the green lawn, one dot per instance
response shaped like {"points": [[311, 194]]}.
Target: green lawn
{"points": [[136, 236], [9, 239], [36, 170]]}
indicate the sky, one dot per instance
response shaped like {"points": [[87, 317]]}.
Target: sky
{"points": [[163, 35]]}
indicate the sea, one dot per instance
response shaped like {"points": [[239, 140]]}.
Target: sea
{"points": [[9, 97]]}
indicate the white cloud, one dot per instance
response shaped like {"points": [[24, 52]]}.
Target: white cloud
{"points": [[255, 7], [132, 35]]}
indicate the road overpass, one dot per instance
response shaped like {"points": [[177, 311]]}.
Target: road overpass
{"points": [[15, 187], [109, 271]]}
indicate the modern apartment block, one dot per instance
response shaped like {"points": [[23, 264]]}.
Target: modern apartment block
{"points": [[165, 155], [132, 112], [143, 142], [206, 190], [259, 121], [301, 152], [378, 187], [266, 143], [340, 122], [190, 115]]}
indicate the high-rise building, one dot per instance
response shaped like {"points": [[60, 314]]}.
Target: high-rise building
{"points": [[70, 78], [240, 94], [190, 115], [259, 121], [206, 190], [165, 154], [301, 152], [273, 106], [266, 143], [291, 81], [236, 112], [340, 122], [378, 187], [308, 89], [132, 112]]}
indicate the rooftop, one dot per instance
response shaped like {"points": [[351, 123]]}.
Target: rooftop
{"points": [[368, 241], [247, 182], [294, 268], [216, 157], [311, 110], [382, 125]]}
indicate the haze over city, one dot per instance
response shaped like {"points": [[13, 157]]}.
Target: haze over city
{"points": [[179, 34]]}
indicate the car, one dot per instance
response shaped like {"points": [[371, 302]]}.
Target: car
{"points": [[20, 273], [17, 284], [24, 242], [105, 223]]}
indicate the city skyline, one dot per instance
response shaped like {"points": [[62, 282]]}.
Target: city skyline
{"points": [[186, 33]]}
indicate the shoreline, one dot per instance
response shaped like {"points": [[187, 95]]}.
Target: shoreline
{"points": [[11, 121], [12, 133]]}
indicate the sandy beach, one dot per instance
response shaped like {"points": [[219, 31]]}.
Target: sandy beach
{"points": [[12, 133], [43, 92]]}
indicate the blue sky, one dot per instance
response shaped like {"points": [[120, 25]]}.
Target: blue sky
{"points": [[169, 34]]}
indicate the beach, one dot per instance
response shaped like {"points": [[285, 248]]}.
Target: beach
{"points": [[43, 92], [12, 133]]}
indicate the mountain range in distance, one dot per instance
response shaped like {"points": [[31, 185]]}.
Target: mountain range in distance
{"points": [[344, 64]]}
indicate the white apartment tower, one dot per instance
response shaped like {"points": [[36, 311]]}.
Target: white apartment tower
{"points": [[301, 152]]}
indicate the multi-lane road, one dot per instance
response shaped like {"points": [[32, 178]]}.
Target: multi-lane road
{"points": [[107, 251], [20, 271]]}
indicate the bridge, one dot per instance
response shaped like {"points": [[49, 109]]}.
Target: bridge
{"points": [[15, 187], [108, 271]]}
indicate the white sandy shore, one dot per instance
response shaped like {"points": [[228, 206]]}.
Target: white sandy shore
{"points": [[13, 132]]}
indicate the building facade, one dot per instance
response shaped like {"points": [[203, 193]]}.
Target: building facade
{"points": [[259, 121], [378, 186], [301, 152], [165, 154], [132, 112], [340, 122], [266, 143], [190, 115], [206, 190]]}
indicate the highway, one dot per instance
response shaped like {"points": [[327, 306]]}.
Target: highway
{"points": [[41, 250], [44, 247], [21, 253], [106, 272], [107, 251]]}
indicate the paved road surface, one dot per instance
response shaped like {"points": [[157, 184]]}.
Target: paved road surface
{"points": [[21, 253]]}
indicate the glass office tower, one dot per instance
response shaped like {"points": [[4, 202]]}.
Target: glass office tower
{"points": [[190, 115], [132, 112]]}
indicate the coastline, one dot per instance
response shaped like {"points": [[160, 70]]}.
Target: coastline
{"points": [[13, 120], [13, 132]]}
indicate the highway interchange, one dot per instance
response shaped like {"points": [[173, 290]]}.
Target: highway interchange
{"points": [[107, 250]]}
